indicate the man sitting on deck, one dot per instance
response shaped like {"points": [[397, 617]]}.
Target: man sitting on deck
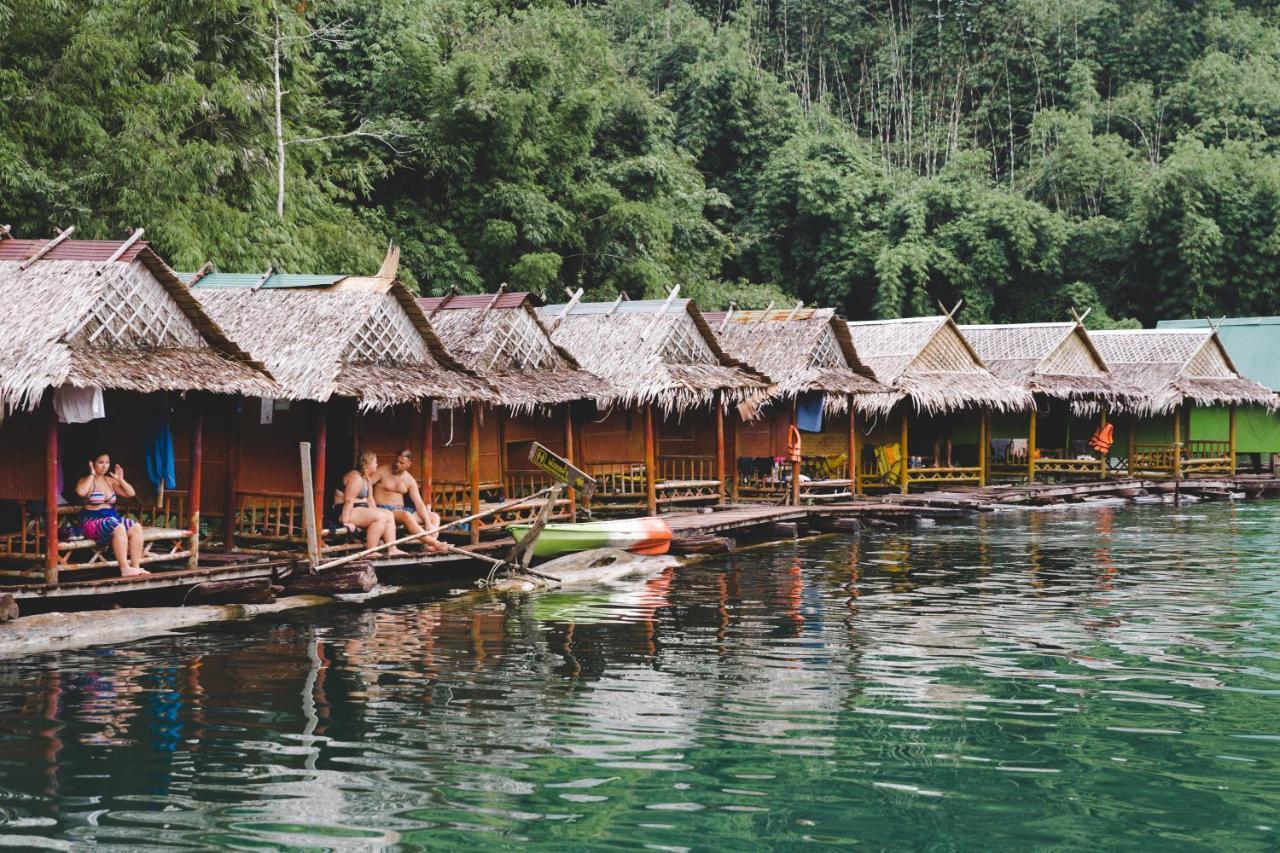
{"points": [[391, 485]]}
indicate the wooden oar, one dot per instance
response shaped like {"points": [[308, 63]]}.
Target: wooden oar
{"points": [[341, 561]]}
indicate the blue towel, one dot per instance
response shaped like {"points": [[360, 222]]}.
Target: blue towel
{"points": [[159, 451], [809, 412]]}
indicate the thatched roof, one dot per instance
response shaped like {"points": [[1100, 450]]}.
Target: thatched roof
{"points": [[931, 363], [1058, 360], [652, 351], [76, 317], [376, 347], [500, 337], [803, 350], [1169, 367]]}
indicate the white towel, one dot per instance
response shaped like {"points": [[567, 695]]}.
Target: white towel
{"points": [[78, 405]]}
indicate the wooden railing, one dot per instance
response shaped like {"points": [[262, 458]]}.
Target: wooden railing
{"points": [[273, 517], [618, 484], [1198, 457], [822, 478], [686, 469], [27, 543]]}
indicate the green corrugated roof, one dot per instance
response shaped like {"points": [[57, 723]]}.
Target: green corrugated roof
{"points": [[1252, 342], [248, 279]]}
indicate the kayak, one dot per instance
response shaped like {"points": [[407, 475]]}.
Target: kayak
{"points": [[648, 536]]}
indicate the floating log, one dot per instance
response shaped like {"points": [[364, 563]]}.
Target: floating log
{"points": [[836, 524], [780, 530], [702, 544], [248, 591], [347, 578], [8, 607]]}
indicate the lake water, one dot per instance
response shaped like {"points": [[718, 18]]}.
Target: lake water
{"points": [[1076, 679]]}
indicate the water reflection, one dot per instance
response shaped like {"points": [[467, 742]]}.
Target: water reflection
{"points": [[1051, 677]]}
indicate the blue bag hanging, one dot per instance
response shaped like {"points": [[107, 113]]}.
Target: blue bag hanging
{"points": [[159, 451]]}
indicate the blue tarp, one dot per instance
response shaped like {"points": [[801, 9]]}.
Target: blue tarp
{"points": [[159, 451], [809, 412]]}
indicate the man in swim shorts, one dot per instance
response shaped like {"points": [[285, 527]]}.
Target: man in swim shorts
{"points": [[392, 484]]}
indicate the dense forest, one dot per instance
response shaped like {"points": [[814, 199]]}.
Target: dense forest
{"points": [[1024, 156]]}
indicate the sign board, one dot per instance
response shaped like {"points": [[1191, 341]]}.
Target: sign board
{"points": [[560, 469]]}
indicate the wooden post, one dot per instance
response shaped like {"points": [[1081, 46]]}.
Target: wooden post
{"points": [[650, 462], [902, 451], [1102, 423], [473, 463], [984, 441], [1031, 448], [570, 493], [195, 479], [720, 467], [310, 522], [1231, 438], [855, 452], [1177, 443], [317, 500], [51, 489], [1133, 431], [428, 453], [795, 464], [233, 470], [735, 426]]}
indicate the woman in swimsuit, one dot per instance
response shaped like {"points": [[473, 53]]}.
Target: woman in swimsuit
{"points": [[99, 518], [358, 510]]}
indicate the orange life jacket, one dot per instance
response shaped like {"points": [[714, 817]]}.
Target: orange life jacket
{"points": [[1103, 437], [793, 444]]}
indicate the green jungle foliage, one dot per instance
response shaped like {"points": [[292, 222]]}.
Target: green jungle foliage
{"points": [[1021, 155]]}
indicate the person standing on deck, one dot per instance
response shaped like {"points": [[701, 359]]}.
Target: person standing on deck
{"points": [[391, 485]]}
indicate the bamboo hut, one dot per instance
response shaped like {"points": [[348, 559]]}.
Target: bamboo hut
{"points": [[819, 386], [1174, 371], [367, 367], [659, 441], [103, 335], [1254, 346], [486, 462], [948, 396], [1059, 364]]}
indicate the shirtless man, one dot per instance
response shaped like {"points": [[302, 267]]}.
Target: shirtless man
{"points": [[391, 485]]}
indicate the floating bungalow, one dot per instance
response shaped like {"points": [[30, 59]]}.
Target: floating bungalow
{"points": [[820, 390], [108, 352], [1074, 390], [659, 440], [482, 457], [359, 367], [1253, 343], [1174, 371], [948, 397]]}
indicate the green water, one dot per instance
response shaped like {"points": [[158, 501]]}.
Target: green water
{"points": [[1079, 679]]}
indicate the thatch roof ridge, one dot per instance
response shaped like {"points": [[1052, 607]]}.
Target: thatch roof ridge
{"points": [[472, 334], [929, 360], [626, 343], [53, 301], [305, 335], [783, 345], [1159, 364]]}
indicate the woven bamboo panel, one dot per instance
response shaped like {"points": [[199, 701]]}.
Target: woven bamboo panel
{"points": [[1071, 358], [522, 345], [132, 310], [684, 345], [945, 353], [387, 337], [1209, 363], [827, 352]]}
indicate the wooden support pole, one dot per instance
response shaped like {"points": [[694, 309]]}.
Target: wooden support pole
{"points": [[1231, 438], [310, 521], [570, 493], [473, 466], [855, 452], [51, 489], [795, 463], [195, 479], [1031, 447], [233, 470], [984, 441], [650, 462], [735, 427], [1177, 443], [1133, 431], [720, 467], [321, 452], [903, 475], [1102, 423], [428, 453]]}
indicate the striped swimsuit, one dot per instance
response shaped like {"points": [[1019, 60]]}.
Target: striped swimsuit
{"points": [[99, 518]]}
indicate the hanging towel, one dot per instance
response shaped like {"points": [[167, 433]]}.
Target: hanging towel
{"points": [[159, 451], [78, 405], [1000, 449], [809, 412]]}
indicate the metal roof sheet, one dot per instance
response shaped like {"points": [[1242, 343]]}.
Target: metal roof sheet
{"points": [[1252, 342], [277, 280], [473, 300], [634, 306]]}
